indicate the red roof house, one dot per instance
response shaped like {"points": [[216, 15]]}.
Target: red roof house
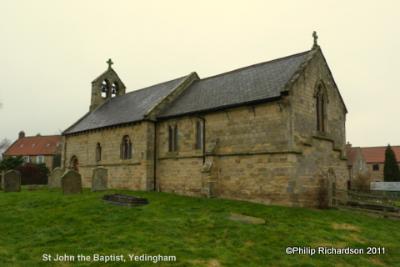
{"points": [[369, 160], [377, 154], [39, 149]]}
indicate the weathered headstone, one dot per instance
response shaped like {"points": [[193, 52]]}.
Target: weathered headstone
{"points": [[1, 179], [12, 181], [71, 182], [55, 178], [99, 179]]}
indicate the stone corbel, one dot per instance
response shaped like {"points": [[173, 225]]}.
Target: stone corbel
{"points": [[212, 147]]}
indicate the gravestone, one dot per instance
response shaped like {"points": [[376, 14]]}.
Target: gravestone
{"points": [[1, 179], [71, 182], [55, 178], [12, 181], [99, 179]]}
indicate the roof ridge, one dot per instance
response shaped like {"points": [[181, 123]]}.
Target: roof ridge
{"points": [[257, 64], [377, 146], [153, 85], [183, 85], [38, 136]]}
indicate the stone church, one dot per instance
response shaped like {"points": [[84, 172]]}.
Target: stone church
{"points": [[272, 132]]}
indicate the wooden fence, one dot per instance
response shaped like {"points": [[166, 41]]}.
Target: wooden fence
{"points": [[381, 204]]}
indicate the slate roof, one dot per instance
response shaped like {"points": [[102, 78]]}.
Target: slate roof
{"points": [[253, 83], [35, 145], [127, 108], [257, 82]]}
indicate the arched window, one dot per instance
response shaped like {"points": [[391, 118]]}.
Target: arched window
{"points": [[176, 137], [320, 100], [74, 163], [105, 88], [199, 134], [98, 152], [126, 148], [172, 138], [114, 89]]}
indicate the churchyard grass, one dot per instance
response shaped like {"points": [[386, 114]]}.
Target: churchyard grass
{"points": [[195, 230]]}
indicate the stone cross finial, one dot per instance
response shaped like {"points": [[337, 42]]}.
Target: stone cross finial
{"points": [[315, 36], [109, 62]]}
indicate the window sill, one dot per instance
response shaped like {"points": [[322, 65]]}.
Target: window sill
{"points": [[322, 135]]}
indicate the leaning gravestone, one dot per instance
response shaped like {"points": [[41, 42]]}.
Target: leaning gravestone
{"points": [[71, 182], [12, 181], [55, 178], [99, 179]]}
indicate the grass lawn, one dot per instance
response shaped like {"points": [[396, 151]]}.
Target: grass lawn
{"points": [[195, 230]]}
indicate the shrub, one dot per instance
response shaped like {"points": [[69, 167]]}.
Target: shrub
{"points": [[391, 172], [11, 163], [33, 173], [362, 182]]}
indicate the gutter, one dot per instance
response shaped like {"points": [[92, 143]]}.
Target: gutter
{"points": [[155, 158], [204, 137]]}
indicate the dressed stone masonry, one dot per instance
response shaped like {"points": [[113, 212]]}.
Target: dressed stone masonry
{"points": [[71, 182], [99, 179], [267, 133]]}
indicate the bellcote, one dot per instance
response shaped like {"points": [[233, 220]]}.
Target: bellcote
{"points": [[105, 87]]}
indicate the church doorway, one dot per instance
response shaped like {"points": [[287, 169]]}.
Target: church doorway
{"points": [[74, 163]]}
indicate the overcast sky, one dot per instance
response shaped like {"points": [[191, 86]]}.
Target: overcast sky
{"points": [[50, 51]]}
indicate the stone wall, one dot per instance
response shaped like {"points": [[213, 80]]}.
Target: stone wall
{"points": [[303, 106], [248, 129], [182, 176], [131, 173], [248, 148], [267, 152], [318, 161], [260, 178], [322, 152], [111, 76]]}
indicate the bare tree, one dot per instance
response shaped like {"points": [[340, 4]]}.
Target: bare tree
{"points": [[4, 144]]}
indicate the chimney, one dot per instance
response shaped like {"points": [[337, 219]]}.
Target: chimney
{"points": [[21, 134], [348, 146]]}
